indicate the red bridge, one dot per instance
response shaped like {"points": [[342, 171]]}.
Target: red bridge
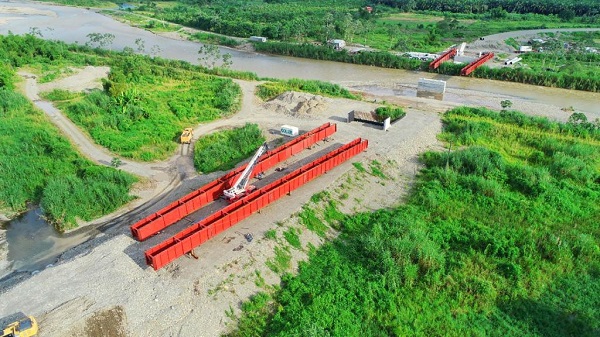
{"points": [[443, 58], [210, 192], [476, 64], [202, 231]]}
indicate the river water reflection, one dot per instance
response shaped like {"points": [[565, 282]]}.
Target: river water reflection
{"points": [[33, 244]]}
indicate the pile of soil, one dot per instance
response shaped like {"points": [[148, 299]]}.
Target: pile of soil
{"points": [[298, 105], [366, 116]]}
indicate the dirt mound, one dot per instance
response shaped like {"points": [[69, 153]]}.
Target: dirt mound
{"points": [[298, 105], [366, 115]]}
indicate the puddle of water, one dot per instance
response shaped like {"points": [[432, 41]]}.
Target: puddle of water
{"points": [[33, 243]]}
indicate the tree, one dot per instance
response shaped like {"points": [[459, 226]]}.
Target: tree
{"points": [[506, 104], [99, 40], [116, 162], [329, 26], [498, 13], [210, 55], [577, 118], [566, 14], [155, 50], [35, 31], [141, 45]]}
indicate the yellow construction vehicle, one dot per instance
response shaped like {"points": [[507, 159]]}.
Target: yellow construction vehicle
{"points": [[186, 136], [24, 326]]}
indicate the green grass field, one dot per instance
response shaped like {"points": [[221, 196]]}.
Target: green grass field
{"points": [[499, 237]]}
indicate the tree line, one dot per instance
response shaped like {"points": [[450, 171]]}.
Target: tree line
{"points": [[586, 81], [545, 7]]}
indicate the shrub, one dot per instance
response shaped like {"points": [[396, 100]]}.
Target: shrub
{"points": [[223, 150], [394, 113]]}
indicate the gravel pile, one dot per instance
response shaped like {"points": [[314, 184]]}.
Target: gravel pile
{"points": [[298, 105]]}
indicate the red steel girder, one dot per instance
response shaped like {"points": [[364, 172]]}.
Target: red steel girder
{"points": [[443, 58], [210, 192], [476, 64], [202, 231]]}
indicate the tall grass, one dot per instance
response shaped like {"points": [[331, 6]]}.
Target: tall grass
{"points": [[223, 150], [273, 89], [38, 165], [491, 241], [144, 106]]}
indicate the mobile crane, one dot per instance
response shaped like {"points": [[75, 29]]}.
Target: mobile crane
{"points": [[240, 188]]}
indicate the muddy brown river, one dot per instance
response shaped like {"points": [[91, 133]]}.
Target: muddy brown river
{"points": [[74, 24]]}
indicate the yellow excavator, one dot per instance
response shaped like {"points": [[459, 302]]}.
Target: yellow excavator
{"points": [[24, 326], [186, 136]]}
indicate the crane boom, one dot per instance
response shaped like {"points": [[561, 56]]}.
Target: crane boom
{"points": [[239, 187]]}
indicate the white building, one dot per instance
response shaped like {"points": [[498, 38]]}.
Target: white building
{"points": [[337, 44]]}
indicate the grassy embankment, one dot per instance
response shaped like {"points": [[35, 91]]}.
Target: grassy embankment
{"points": [[274, 88], [499, 237], [37, 164]]}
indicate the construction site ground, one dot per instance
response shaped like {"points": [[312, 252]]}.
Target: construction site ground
{"points": [[103, 286]]}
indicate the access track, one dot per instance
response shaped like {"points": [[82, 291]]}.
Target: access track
{"points": [[185, 241]]}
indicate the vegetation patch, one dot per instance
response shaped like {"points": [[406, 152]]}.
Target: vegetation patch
{"points": [[502, 232], [359, 166], [319, 196], [394, 113], [272, 89], [291, 236], [271, 234], [377, 169], [281, 261], [215, 39], [332, 215], [39, 165], [308, 217], [255, 317], [223, 150], [144, 106], [58, 95]]}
